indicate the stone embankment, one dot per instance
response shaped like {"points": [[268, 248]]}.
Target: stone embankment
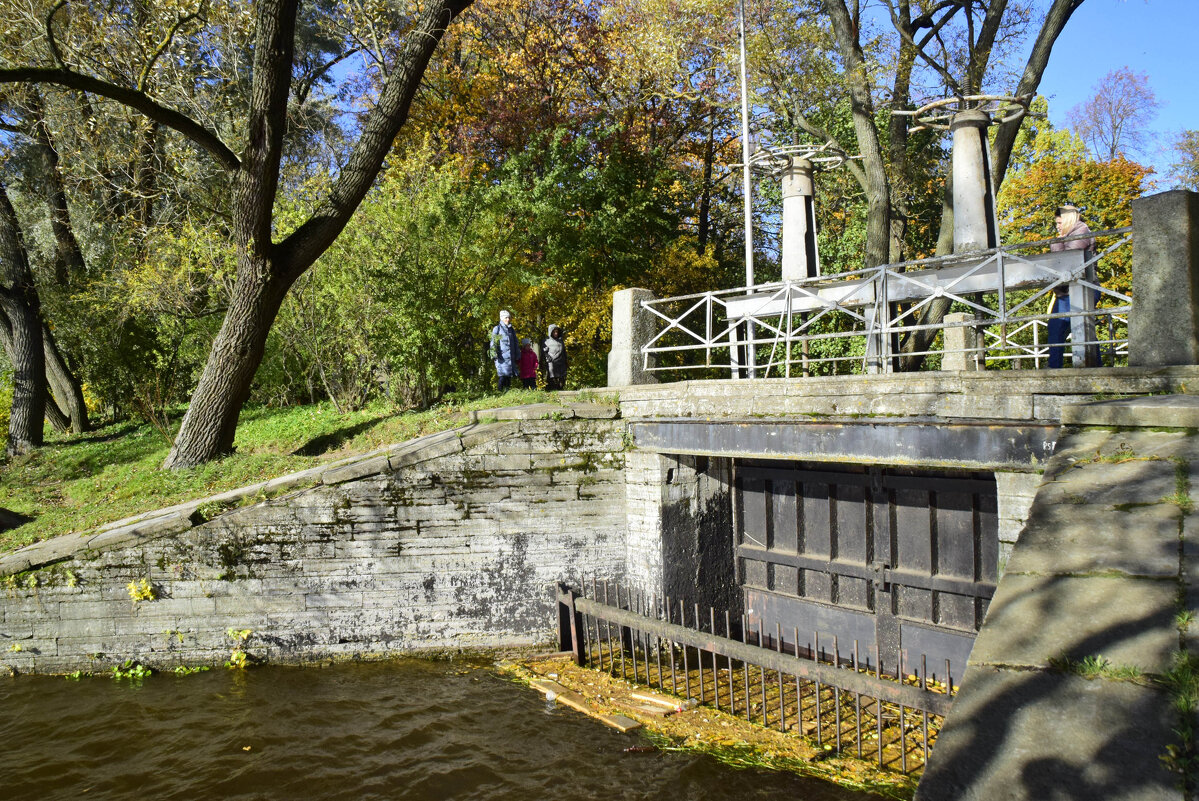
{"points": [[1082, 682], [454, 539]]}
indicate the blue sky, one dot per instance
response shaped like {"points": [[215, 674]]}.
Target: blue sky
{"points": [[1157, 37]]}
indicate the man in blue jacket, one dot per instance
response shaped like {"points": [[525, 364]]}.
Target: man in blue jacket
{"points": [[505, 350]]}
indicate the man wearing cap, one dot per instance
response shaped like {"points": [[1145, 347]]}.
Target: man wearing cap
{"points": [[1068, 223], [505, 350]]}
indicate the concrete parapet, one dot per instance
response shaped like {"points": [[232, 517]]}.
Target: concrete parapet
{"points": [[632, 328], [1163, 328]]}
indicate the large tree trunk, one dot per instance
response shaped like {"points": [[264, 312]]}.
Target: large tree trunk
{"points": [[19, 303], [54, 413], [210, 424], [64, 385], [878, 191]]}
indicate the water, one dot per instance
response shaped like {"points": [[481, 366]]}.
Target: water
{"points": [[398, 730]]}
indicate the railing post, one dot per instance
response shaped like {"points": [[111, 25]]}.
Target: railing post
{"points": [[570, 624], [632, 329], [961, 343]]}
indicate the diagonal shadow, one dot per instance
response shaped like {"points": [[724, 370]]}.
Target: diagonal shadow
{"points": [[335, 439]]}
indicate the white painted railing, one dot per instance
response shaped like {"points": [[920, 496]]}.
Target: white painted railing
{"points": [[858, 321]]}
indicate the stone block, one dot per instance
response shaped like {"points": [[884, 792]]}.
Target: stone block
{"points": [[1035, 618], [1139, 541], [1164, 326], [474, 437], [1165, 411], [632, 328], [986, 407], [356, 470], [594, 411], [1134, 481], [433, 446], [531, 411], [1035, 735], [1048, 408]]}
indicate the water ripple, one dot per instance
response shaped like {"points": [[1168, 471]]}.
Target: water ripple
{"points": [[410, 730]]}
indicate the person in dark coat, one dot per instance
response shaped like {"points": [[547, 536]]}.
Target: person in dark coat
{"points": [[505, 347], [553, 354]]}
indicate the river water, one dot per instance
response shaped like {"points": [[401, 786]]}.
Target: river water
{"points": [[407, 729]]}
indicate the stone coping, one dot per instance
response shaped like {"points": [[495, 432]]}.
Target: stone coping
{"points": [[485, 425], [1153, 411], [1068, 381]]}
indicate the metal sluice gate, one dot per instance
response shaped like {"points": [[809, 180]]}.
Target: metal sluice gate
{"points": [[889, 714]]}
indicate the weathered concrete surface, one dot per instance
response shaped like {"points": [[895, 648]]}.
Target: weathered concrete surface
{"points": [[1103, 569], [632, 329], [452, 540], [1165, 280], [1166, 411]]}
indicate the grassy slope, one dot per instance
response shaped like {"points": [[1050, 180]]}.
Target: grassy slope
{"points": [[78, 483]]}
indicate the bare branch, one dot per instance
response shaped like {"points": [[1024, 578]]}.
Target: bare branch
{"points": [[50, 32], [163, 45], [132, 98]]}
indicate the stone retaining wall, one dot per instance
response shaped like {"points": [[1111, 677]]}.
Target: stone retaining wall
{"points": [[453, 540]]}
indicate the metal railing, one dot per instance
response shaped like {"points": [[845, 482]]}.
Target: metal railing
{"points": [[778, 679], [861, 320]]}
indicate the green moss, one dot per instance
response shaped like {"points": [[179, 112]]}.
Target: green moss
{"points": [[1097, 666]]}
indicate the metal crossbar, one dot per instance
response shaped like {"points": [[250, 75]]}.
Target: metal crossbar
{"points": [[774, 678], [854, 320]]}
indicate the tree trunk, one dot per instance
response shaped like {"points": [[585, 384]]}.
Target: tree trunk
{"points": [[878, 191], [19, 303], [705, 197], [210, 424], [54, 413], [64, 385]]}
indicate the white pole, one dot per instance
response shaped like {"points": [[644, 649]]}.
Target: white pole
{"points": [[747, 186], [746, 177]]}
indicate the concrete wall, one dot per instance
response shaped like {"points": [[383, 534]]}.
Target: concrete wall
{"points": [[1009, 396], [454, 541]]}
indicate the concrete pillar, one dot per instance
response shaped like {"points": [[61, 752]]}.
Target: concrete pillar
{"points": [[632, 328], [973, 200], [1163, 328], [960, 338], [799, 223]]}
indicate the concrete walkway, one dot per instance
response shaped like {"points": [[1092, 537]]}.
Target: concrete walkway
{"points": [[1071, 690]]}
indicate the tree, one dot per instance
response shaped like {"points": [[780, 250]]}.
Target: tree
{"points": [[948, 48], [266, 267], [21, 323], [1185, 171], [1052, 166], [65, 408], [1115, 120]]}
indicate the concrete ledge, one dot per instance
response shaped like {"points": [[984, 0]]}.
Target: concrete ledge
{"points": [[1154, 411]]}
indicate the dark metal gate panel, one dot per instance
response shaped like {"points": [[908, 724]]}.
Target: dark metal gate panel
{"points": [[901, 560]]}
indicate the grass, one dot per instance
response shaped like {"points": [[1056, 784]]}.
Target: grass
{"points": [[76, 483]]}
